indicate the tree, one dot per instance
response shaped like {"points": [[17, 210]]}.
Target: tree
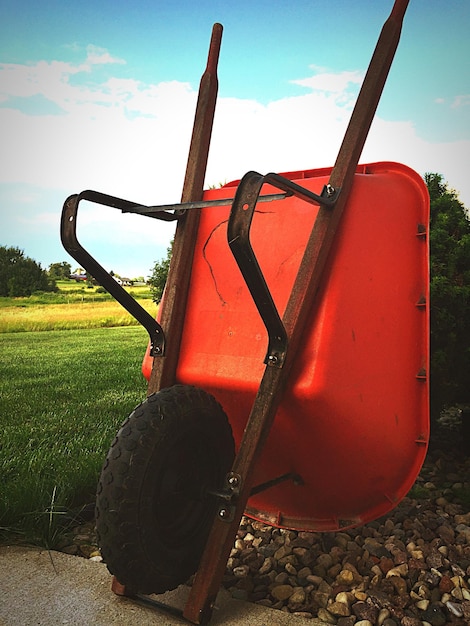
{"points": [[450, 296], [159, 275], [59, 271], [20, 275]]}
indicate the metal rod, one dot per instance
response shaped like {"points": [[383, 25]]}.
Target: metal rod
{"points": [[202, 204], [155, 604], [295, 478]]}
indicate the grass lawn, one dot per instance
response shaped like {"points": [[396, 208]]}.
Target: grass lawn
{"points": [[63, 395]]}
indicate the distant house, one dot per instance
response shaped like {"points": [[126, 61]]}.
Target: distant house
{"points": [[78, 277], [124, 282]]}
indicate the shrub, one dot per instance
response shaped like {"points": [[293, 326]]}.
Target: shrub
{"points": [[450, 296]]}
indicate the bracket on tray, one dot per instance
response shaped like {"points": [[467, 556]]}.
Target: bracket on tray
{"points": [[238, 233], [68, 233]]}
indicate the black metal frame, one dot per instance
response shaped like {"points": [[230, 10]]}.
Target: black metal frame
{"points": [[238, 233], [68, 233], [247, 196]]}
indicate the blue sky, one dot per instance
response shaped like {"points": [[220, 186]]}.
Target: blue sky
{"points": [[101, 95]]}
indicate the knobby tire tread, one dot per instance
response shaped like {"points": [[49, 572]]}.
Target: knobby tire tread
{"points": [[130, 487]]}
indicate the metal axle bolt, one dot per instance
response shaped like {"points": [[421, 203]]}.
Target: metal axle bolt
{"points": [[223, 513], [233, 481]]}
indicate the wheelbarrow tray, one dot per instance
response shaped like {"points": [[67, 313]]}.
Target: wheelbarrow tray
{"points": [[353, 424]]}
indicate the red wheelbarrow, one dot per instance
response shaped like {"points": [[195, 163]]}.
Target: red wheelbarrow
{"points": [[288, 365]]}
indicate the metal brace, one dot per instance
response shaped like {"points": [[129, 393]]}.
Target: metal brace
{"points": [[229, 495], [247, 196], [68, 232]]}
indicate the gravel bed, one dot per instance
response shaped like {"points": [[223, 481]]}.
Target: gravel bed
{"points": [[410, 568]]}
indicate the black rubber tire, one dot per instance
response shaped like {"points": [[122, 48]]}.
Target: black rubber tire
{"points": [[153, 512]]}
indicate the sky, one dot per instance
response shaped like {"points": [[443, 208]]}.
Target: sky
{"points": [[101, 95]]}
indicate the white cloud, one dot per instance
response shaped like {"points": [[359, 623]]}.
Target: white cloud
{"points": [[119, 135], [331, 82], [399, 142], [461, 101], [306, 132], [131, 139], [53, 80], [100, 56]]}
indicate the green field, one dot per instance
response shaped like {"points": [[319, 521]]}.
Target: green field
{"points": [[63, 395], [72, 307]]}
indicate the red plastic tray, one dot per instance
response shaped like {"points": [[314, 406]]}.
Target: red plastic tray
{"points": [[354, 420]]}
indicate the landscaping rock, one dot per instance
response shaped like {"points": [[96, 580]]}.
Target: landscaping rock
{"points": [[410, 568]]}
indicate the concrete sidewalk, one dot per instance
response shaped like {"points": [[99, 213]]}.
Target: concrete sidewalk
{"points": [[39, 588]]}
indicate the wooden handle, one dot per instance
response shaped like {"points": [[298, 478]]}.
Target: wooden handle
{"points": [[173, 306], [203, 120], [368, 99]]}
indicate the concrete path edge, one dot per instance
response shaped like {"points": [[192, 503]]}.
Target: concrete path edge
{"points": [[40, 587]]}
